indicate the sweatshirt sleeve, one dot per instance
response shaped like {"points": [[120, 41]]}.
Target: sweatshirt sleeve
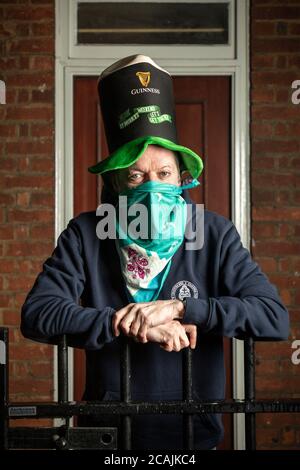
{"points": [[52, 307], [249, 305]]}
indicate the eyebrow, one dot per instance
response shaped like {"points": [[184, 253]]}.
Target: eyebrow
{"points": [[142, 171]]}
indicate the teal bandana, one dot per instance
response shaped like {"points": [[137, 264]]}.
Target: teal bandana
{"points": [[150, 228]]}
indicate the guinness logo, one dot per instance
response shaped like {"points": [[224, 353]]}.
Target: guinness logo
{"points": [[144, 78]]}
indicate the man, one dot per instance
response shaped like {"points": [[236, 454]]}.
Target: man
{"points": [[144, 282]]}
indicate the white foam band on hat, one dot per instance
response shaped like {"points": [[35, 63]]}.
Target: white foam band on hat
{"points": [[127, 61]]}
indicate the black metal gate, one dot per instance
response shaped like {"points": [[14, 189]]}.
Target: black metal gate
{"points": [[68, 437]]}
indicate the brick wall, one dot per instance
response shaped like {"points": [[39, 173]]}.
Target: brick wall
{"points": [[26, 179], [275, 178]]}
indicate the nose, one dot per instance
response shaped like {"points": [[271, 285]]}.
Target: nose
{"points": [[151, 176]]}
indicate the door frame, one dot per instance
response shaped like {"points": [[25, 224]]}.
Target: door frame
{"points": [[237, 68]]}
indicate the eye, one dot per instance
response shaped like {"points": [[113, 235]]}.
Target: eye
{"points": [[165, 174], [134, 177]]}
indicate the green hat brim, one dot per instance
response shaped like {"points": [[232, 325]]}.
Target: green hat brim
{"points": [[130, 152]]}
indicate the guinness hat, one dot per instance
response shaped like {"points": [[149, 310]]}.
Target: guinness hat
{"points": [[137, 105]]}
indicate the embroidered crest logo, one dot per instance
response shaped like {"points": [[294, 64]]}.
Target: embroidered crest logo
{"points": [[144, 78], [183, 289]]}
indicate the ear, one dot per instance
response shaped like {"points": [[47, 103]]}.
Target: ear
{"points": [[185, 177]]}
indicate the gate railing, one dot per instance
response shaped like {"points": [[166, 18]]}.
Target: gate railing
{"points": [[67, 437]]}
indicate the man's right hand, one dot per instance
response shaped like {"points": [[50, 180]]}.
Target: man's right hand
{"points": [[173, 336]]}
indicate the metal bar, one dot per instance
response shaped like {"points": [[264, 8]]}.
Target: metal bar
{"points": [[62, 437], [249, 366], [187, 383], [49, 410], [62, 363], [126, 393], [4, 363]]}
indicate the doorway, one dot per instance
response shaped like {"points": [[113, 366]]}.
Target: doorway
{"points": [[203, 118]]}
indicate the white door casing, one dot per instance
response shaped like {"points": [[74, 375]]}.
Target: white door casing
{"points": [[232, 60]]}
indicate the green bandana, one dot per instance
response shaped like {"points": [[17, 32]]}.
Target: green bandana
{"points": [[148, 235]]}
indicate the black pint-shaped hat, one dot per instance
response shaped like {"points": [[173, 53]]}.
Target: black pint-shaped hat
{"points": [[137, 105]]}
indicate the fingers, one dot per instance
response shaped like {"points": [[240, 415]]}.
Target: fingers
{"points": [[118, 317], [191, 330]]}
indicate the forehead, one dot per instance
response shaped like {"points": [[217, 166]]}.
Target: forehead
{"points": [[154, 157]]}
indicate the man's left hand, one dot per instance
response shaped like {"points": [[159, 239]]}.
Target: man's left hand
{"points": [[135, 319]]}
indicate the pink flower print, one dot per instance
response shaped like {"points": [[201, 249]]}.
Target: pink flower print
{"points": [[137, 264]]}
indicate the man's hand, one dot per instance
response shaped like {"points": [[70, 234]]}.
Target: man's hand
{"points": [[135, 319], [173, 336]]}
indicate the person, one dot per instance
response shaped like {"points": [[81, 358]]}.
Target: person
{"points": [[150, 287]]}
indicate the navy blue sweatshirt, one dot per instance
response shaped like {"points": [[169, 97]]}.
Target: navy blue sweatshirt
{"points": [[81, 287]]}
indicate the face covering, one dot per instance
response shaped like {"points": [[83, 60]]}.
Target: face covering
{"points": [[150, 226]]}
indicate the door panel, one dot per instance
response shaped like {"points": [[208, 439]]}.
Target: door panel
{"points": [[203, 123]]}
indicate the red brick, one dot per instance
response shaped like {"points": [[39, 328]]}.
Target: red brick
{"points": [[11, 318], [29, 249], [41, 369], [32, 46], [30, 112], [37, 80], [7, 199], [6, 232], [21, 232], [43, 29], [267, 436], [7, 266], [262, 95], [260, 162], [30, 350], [268, 265], [276, 248], [288, 436], [284, 96], [284, 265], [42, 199], [274, 78], [263, 229], [266, 180], [270, 45], [42, 130], [294, 61], [262, 129], [32, 386], [263, 28], [294, 29], [30, 147], [46, 96], [23, 97], [45, 63], [275, 146], [6, 301], [262, 61], [23, 29], [33, 182], [45, 165], [274, 12], [275, 112], [8, 130], [15, 283], [19, 215], [273, 213], [29, 13], [41, 231], [23, 199]]}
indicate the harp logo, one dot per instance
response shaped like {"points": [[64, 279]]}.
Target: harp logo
{"points": [[144, 78]]}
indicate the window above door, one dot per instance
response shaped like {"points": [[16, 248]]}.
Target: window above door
{"points": [[192, 29]]}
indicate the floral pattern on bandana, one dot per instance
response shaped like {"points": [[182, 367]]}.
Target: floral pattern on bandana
{"points": [[137, 264], [139, 267]]}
